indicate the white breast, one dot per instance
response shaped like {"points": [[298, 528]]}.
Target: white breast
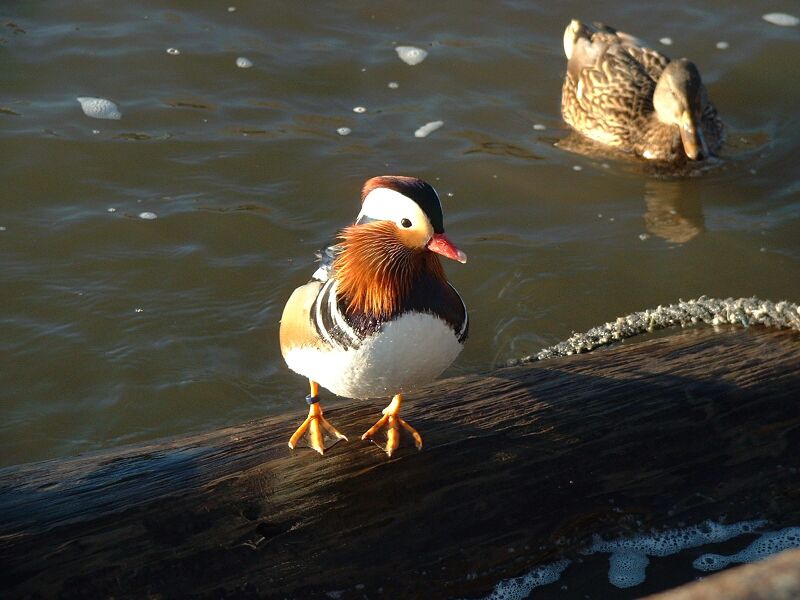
{"points": [[411, 350]]}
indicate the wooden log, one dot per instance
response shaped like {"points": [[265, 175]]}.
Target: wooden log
{"points": [[521, 466], [777, 578]]}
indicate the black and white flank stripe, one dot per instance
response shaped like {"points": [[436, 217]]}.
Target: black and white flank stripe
{"points": [[346, 330]]}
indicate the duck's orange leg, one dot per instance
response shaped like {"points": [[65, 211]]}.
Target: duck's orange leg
{"points": [[392, 422], [314, 423]]}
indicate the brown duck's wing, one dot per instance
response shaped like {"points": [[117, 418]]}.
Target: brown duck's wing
{"points": [[297, 323], [652, 61], [610, 92]]}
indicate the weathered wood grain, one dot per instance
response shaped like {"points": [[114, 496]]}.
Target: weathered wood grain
{"points": [[777, 578], [535, 458]]}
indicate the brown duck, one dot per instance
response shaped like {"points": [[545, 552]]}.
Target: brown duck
{"points": [[620, 93]]}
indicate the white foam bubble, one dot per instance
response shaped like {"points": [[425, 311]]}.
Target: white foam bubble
{"points": [[723, 45], [627, 568], [393, 85], [674, 540], [539, 127], [428, 128], [781, 19], [244, 63], [148, 216], [628, 559], [344, 131], [667, 41], [359, 109], [768, 544], [99, 108], [520, 588], [411, 55], [173, 51]]}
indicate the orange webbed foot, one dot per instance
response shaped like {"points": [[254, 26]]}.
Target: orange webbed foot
{"points": [[392, 422], [313, 428]]}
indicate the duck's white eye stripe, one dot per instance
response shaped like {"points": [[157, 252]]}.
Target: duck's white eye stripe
{"points": [[383, 204]]}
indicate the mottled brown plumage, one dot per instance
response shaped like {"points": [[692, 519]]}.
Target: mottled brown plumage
{"points": [[620, 93]]}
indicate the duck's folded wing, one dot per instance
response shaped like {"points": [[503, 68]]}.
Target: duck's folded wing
{"points": [[297, 322], [611, 86], [651, 60]]}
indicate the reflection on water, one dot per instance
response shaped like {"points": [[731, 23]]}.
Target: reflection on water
{"points": [[673, 212], [482, 144]]}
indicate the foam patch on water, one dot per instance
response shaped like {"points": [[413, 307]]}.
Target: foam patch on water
{"points": [[520, 588], [244, 63], [781, 19], [768, 544], [627, 568], [411, 55], [99, 108], [428, 128], [628, 560]]}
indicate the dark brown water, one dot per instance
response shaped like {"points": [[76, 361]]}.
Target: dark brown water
{"points": [[115, 328]]}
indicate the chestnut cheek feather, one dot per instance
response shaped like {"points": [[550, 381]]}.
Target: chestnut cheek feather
{"points": [[441, 245]]}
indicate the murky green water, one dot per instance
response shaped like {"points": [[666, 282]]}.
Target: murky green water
{"points": [[115, 328]]}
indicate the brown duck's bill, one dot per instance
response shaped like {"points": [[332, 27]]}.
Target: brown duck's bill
{"points": [[441, 245], [694, 144]]}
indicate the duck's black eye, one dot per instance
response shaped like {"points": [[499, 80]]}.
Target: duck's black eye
{"points": [[405, 223]]}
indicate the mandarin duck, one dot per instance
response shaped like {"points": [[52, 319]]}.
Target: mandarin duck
{"points": [[378, 317], [620, 93]]}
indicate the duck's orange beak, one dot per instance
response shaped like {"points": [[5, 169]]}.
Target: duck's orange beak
{"points": [[441, 245]]}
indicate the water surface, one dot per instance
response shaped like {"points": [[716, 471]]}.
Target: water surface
{"points": [[115, 328]]}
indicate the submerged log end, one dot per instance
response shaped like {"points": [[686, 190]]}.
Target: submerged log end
{"points": [[777, 578]]}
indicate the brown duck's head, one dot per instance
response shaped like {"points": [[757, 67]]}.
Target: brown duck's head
{"points": [[393, 243], [679, 99]]}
